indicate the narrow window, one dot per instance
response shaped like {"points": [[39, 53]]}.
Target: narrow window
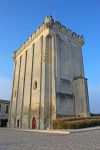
{"points": [[7, 109], [15, 94], [35, 85], [0, 108]]}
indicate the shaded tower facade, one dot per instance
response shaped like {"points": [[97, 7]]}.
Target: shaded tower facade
{"points": [[49, 80]]}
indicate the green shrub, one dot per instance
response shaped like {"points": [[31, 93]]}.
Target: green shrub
{"points": [[76, 123]]}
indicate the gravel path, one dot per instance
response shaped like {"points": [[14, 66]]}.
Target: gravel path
{"points": [[20, 140]]}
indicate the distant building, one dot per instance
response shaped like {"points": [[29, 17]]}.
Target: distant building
{"points": [[49, 79], [4, 112]]}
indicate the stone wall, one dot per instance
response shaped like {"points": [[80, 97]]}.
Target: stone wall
{"points": [[81, 97], [43, 86]]}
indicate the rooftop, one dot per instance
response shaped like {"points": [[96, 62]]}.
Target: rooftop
{"points": [[4, 101]]}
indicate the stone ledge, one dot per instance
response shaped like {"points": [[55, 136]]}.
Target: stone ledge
{"points": [[65, 132], [84, 130]]}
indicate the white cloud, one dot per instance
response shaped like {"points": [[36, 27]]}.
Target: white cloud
{"points": [[5, 88], [94, 96]]}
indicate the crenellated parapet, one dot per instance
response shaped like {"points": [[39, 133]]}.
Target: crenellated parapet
{"points": [[30, 39], [68, 32], [14, 55], [50, 23]]}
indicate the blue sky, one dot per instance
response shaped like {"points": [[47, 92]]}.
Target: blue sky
{"points": [[18, 20]]}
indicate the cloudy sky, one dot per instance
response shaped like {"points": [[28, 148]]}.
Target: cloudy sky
{"points": [[20, 18]]}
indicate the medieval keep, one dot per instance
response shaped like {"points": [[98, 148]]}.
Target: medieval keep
{"points": [[49, 80]]}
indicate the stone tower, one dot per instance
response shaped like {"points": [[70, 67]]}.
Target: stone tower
{"points": [[49, 80]]}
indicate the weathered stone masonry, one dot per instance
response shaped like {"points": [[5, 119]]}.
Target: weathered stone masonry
{"points": [[49, 80]]}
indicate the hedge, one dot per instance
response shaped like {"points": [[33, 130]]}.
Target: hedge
{"points": [[76, 123]]}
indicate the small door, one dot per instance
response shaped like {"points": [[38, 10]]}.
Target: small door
{"points": [[34, 123], [18, 123], [3, 122]]}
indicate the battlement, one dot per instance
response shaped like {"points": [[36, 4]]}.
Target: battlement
{"points": [[67, 31], [50, 23]]}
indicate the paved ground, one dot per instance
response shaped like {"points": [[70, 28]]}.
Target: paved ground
{"points": [[20, 140]]}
